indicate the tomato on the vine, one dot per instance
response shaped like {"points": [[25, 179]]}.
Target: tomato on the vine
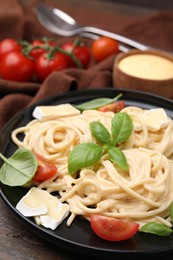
{"points": [[113, 229], [9, 44], [16, 66], [103, 47], [80, 51], [45, 65], [45, 169], [38, 47]]}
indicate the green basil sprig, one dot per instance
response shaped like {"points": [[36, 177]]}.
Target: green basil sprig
{"points": [[100, 132], [122, 127], [171, 213], [157, 228], [118, 157], [19, 168], [84, 155], [96, 103]]}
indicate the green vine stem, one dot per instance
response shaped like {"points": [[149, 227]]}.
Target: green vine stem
{"points": [[50, 50]]}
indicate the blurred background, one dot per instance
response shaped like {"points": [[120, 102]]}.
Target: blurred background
{"points": [[160, 4]]}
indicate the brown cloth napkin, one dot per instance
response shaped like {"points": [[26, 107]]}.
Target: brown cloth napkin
{"points": [[18, 20]]}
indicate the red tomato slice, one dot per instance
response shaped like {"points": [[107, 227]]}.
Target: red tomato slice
{"points": [[45, 169], [113, 229], [114, 107]]}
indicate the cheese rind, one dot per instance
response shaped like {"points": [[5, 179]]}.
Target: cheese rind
{"points": [[30, 212]]}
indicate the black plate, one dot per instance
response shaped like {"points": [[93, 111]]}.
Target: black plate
{"points": [[79, 237]]}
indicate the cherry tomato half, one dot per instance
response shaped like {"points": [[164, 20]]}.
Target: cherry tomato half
{"points": [[36, 52], [45, 169], [45, 66], [81, 52], [114, 107], [103, 47], [17, 67], [113, 229], [8, 45]]}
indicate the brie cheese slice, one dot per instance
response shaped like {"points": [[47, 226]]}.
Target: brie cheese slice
{"points": [[41, 204], [50, 112], [155, 119]]}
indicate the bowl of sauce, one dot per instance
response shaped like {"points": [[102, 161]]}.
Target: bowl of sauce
{"points": [[150, 71]]}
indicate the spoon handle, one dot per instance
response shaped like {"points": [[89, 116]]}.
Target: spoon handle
{"points": [[117, 37], [93, 36]]}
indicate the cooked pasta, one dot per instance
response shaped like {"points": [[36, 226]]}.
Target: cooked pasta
{"points": [[142, 194]]}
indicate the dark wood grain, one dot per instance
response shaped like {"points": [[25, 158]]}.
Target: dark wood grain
{"points": [[16, 242]]}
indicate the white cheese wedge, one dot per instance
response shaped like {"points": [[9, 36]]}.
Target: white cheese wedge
{"points": [[50, 211], [62, 211], [42, 112], [155, 119], [136, 123]]}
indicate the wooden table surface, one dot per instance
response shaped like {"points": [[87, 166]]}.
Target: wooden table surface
{"points": [[17, 242]]}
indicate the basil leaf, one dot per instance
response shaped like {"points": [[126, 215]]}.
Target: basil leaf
{"points": [[96, 103], [122, 127], [19, 168], [100, 132], [171, 212], [83, 155], [118, 157], [156, 228]]}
